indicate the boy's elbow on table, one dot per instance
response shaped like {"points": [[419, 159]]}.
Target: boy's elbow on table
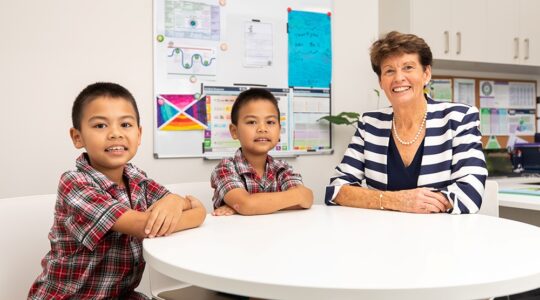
{"points": [[246, 208]]}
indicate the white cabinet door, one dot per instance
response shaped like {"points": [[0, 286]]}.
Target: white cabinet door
{"points": [[469, 30], [455, 30], [490, 31], [503, 44], [529, 32], [434, 27]]}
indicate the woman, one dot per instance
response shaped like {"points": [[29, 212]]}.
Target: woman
{"points": [[418, 155]]}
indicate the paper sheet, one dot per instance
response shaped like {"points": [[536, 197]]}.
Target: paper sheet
{"points": [[310, 49], [259, 44], [465, 91], [441, 89]]}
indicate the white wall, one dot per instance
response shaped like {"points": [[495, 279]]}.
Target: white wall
{"points": [[50, 50]]}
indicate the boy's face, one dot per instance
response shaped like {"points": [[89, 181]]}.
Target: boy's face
{"points": [[109, 133], [258, 127]]}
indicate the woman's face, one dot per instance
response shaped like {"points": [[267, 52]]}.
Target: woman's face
{"points": [[403, 78]]}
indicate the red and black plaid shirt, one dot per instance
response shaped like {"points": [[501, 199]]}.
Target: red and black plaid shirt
{"points": [[88, 259], [236, 172]]}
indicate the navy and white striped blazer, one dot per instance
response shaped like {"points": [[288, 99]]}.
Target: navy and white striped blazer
{"points": [[453, 161]]}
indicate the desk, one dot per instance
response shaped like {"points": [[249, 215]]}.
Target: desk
{"points": [[350, 253], [518, 201]]}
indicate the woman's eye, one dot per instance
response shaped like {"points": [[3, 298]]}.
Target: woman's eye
{"points": [[408, 68], [389, 72]]}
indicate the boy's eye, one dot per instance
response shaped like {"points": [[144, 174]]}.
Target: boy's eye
{"points": [[126, 125], [250, 122], [271, 122], [101, 125]]}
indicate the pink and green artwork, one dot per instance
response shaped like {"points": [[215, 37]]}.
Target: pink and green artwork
{"points": [[180, 112]]}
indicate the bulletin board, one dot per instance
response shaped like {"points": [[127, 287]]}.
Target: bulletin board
{"points": [[206, 52], [508, 107]]}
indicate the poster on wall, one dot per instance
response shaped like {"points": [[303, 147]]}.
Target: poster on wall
{"points": [[310, 49]]}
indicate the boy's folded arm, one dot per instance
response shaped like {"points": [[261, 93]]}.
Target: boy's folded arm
{"points": [[191, 213], [265, 203], [305, 196], [167, 215], [133, 223], [192, 217]]}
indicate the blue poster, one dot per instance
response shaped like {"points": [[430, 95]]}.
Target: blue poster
{"points": [[310, 49]]}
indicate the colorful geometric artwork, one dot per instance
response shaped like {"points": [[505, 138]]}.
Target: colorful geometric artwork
{"points": [[165, 112], [181, 112]]}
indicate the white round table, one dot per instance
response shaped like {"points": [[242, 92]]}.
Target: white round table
{"points": [[350, 253]]}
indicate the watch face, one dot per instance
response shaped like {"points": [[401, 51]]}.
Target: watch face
{"points": [[487, 88]]}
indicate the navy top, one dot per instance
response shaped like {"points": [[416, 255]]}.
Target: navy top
{"points": [[452, 161], [399, 176]]}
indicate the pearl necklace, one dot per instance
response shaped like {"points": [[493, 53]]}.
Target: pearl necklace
{"points": [[415, 137]]}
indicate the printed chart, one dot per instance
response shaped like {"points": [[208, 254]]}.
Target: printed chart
{"points": [[191, 61]]}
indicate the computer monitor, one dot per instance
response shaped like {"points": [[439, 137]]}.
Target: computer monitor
{"points": [[530, 156]]}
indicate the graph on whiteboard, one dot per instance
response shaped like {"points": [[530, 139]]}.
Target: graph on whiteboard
{"points": [[191, 61]]}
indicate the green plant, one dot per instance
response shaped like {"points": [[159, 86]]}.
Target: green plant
{"points": [[346, 117], [343, 118]]}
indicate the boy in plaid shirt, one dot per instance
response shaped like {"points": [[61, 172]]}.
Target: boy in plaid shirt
{"points": [[252, 182], [107, 206]]}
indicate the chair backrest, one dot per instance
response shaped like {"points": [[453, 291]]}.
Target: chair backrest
{"points": [[490, 200], [200, 189], [25, 242], [26, 223]]}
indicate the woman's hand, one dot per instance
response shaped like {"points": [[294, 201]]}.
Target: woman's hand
{"points": [[423, 200]]}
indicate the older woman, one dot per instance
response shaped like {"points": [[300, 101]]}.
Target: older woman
{"points": [[418, 155]]}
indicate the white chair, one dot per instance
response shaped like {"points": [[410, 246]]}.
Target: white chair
{"points": [[160, 283], [490, 200], [26, 222]]}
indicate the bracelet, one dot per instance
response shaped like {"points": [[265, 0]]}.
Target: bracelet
{"points": [[380, 201]]}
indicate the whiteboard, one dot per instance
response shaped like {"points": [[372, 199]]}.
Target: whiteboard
{"points": [[207, 43]]}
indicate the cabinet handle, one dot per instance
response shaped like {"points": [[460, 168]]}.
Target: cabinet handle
{"points": [[446, 42], [458, 36], [526, 41], [516, 48]]}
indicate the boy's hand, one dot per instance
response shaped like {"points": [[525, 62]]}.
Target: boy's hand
{"points": [[224, 210], [193, 202], [164, 214], [306, 195]]}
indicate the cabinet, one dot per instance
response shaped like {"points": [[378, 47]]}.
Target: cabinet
{"points": [[514, 36], [491, 31], [454, 30], [529, 32]]}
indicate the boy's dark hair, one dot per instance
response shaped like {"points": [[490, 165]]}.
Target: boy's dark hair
{"points": [[96, 90], [252, 95]]}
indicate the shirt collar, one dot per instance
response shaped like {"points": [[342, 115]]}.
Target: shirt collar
{"points": [[245, 167], [130, 171]]}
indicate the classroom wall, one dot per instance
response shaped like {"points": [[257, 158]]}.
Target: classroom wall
{"points": [[50, 50]]}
